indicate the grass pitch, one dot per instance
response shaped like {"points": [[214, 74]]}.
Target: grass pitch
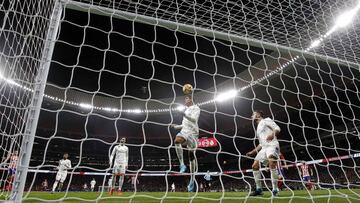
{"points": [[301, 196]]}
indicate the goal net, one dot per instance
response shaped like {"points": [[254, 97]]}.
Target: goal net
{"points": [[77, 76]]}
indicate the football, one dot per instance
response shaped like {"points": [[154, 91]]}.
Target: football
{"points": [[187, 89]]}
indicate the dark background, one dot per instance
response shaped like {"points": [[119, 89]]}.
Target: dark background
{"points": [[313, 102]]}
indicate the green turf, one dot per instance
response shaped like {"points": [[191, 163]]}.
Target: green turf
{"points": [[319, 196]]}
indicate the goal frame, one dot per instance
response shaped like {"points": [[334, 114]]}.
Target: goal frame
{"points": [[33, 112], [52, 32]]}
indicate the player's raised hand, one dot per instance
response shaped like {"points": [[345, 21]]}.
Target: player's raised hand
{"points": [[251, 153]]}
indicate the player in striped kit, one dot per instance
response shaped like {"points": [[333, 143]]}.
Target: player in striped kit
{"points": [[64, 165], [13, 162], [266, 152], [14, 157], [306, 173], [121, 155]]}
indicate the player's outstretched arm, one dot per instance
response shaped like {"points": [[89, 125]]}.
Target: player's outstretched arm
{"points": [[177, 127], [254, 151]]}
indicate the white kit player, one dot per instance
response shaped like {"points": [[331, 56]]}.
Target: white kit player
{"points": [[173, 187], [267, 152], [188, 135], [110, 184], [121, 155], [92, 184], [64, 165]]}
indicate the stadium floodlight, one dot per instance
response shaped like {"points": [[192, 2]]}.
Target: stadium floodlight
{"points": [[180, 108], [346, 18], [86, 106], [226, 95], [11, 82], [315, 43], [137, 111], [107, 109]]}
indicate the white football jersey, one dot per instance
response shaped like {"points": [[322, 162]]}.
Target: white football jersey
{"points": [[120, 152], [64, 164], [263, 131], [93, 183], [188, 126]]}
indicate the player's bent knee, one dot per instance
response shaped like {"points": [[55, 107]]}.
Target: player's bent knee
{"points": [[179, 140], [255, 165], [272, 162]]}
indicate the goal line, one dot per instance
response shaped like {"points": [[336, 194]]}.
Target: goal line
{"points": [[318, 161]]}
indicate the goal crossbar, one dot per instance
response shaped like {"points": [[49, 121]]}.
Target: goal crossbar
{"points": [[124, 15]]}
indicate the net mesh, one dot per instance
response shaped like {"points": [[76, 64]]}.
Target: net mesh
{"points": [[118, 68], [23, 26]]}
